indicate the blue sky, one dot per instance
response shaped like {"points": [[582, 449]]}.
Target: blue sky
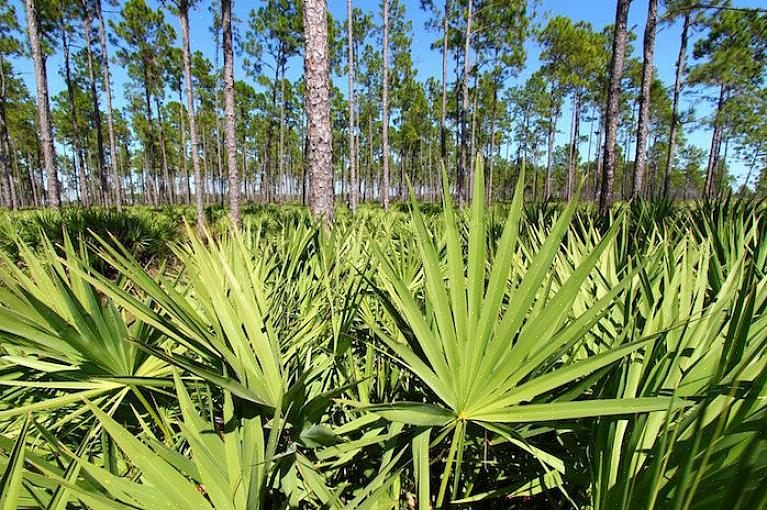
{"points": [[428, 63]]}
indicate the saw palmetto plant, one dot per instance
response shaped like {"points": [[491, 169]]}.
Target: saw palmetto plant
{"points": [[492, 356]]}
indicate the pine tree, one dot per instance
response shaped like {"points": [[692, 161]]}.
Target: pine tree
{"points": [[612, 108], [230, 122], [637, 189], [43, 106], [317, 77]]}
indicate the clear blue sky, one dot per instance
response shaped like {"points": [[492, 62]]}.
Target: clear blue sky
{"points": [[428, 63]]}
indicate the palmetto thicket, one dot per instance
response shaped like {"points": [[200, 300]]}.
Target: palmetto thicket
{"points": [[507, 356]]}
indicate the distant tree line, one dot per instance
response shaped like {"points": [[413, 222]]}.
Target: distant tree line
{"points": [[199, 132]]}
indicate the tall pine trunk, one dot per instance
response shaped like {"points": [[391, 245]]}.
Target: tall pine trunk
{"points": [[317, 77], [644, 100], [43, 106], [680, 65], [353, 197], [613, 105], [385, 107], [74, 124], [229, 121], [183, 160], [572, 160], [110, 118], [547, 184], [167, 186], [281, 142], [716, 144], [183, 15], [96, 116], [267, 172]]}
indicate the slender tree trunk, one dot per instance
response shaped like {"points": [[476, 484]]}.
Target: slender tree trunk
{"points": [[572, 160], [244, 176], [8, 183], [219, 145], [316, 72], [353, 198], [371, 157], [96, 116], [110, 118], [33, 180], [281, 145], [613, 105], [716, 143], [305, 198], [385, 107], [150, 133], [443, 113], [644, 99], [24, 194], [183, 154], [266, 180], [650, 190], [206, 179], [473, 139], [547, 184], [43, 106], [491, 165], [166, 186], [5, 150], [748, 175], [588, 153], [680, 66], [599, 153], [230, 121], [183, 16], [82, 179], [462, 165]]}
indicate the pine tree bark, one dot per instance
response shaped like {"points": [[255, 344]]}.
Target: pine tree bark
{"points": [[637, 190], [316, 72], [613, 105], [183, 16], [680, 65], [110, 117], [43, 106], [229, 118], [385, 107], [353, 198]]}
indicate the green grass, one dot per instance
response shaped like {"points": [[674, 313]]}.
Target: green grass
{"points": [[504, 356]]}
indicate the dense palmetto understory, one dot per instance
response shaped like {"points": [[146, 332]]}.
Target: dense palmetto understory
{"points": [[536, 358]]}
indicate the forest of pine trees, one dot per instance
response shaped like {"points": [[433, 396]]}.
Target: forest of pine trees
{"points": [[357, 123]]}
